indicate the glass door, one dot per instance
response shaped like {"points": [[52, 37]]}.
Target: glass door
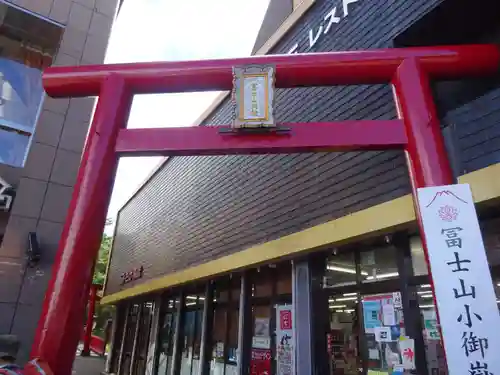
{"points": [[384, 333], [166, 334], [142, 340], [434, 352], [129, 338], [272, 348], [375, 320], [343, 344]]}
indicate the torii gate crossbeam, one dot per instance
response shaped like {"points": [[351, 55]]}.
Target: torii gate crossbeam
{"points": [[417, 131]]}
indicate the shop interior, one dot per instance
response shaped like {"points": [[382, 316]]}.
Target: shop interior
{"points": [[369, 297], [381, 306]]}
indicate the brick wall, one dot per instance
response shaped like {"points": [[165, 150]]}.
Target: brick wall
{"points": [[46, 182], [200, 208]]}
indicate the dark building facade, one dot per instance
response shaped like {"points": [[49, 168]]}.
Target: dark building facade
{"points": [[211, 252], [41, 141]]}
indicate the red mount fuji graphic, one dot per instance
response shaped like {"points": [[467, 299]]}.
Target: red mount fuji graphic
{"points": [[445, 193]]}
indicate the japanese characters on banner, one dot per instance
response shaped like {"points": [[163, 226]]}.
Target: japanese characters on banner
{"points": [[261, 362], [285, 353], [261, 348], [463, 287], [407, 348]]}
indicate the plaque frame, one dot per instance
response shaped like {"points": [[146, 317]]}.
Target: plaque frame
{"points": [[242, 73]]}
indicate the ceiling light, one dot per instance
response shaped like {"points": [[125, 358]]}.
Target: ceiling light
{"points": [[383, 276], [350, 294], [195, 297], [337, 306], [345, 270], [426, 306], [341, 269], [345, 299], [338, 285]]}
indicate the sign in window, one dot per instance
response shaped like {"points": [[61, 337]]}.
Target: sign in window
{"points": [[28, 44]]}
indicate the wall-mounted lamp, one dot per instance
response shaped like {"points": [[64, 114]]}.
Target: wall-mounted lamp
{"points": [[33, 252]]}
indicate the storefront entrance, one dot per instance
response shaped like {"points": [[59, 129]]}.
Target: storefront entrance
{"points": [[381, 316]]}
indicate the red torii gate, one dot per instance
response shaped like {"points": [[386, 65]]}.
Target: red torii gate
{"points": [[417, 131]]}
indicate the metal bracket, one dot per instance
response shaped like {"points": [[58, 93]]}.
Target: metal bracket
{"points": [[259, 130]]}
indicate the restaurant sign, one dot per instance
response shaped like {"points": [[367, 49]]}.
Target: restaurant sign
{"points": [[463, 286], [132, 275], [333, 16], [6, 195]]}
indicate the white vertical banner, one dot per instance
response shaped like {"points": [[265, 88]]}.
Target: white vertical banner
{"points": [[463, 286], [285, 350]]}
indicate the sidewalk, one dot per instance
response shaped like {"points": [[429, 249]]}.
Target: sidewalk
{"points": [[88, 365], [92, 365]]}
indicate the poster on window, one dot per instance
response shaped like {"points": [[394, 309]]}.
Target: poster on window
{"points": [[285, 340], [407, 350], [430, 324], [21, 94], [261, 328], [371, 315], [463, 286], [261, 362]]}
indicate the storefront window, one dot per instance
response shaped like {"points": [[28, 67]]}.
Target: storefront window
{"points": [[343, 337], [284, 279], [263, 283], [434, 351], [368, 332], [166, 336], [29, 44], [220, 326], [128, 344], [378, 264], [340, 270], [272, 287], [224, 341], [384, 332], [190, 363], [418, 257], [121, 312], [232, 350], [142, 340]]}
